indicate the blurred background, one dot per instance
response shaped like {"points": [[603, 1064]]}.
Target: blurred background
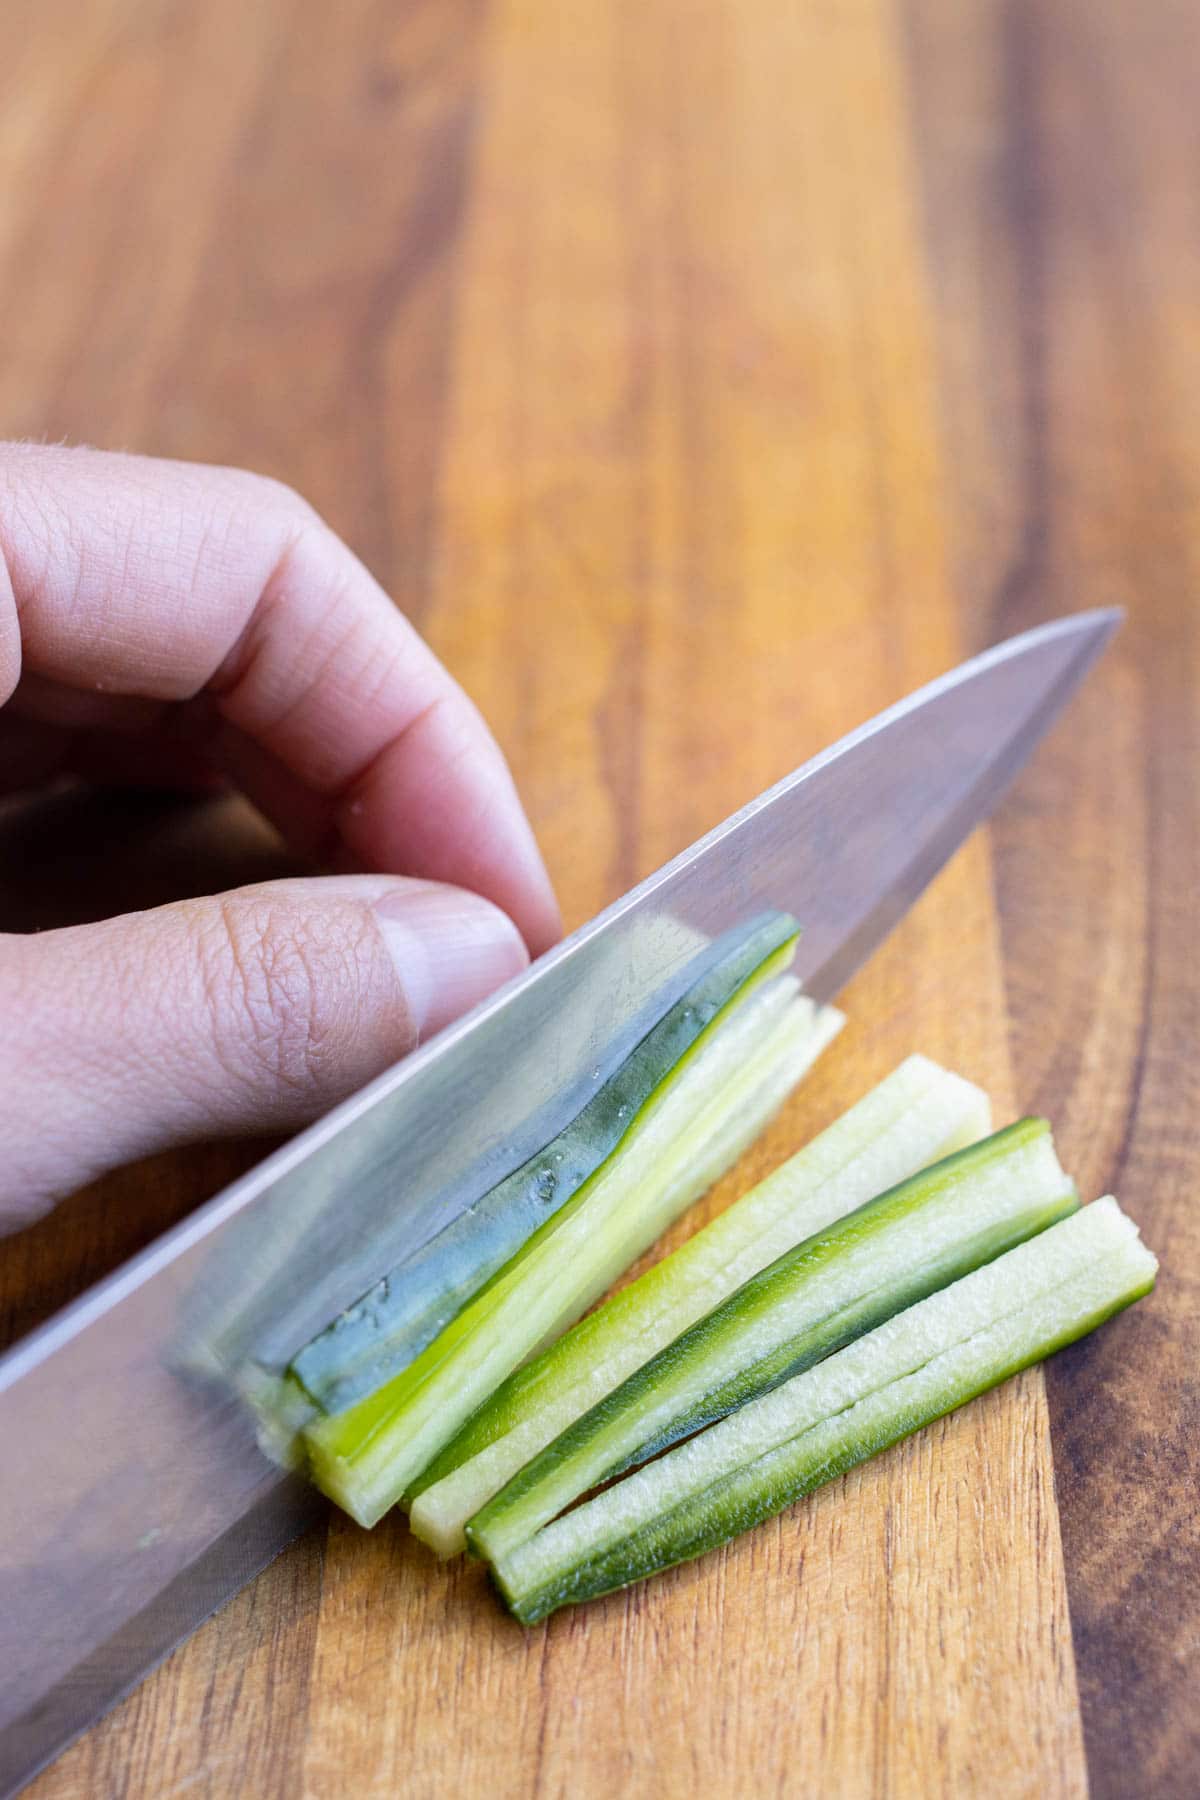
{"points": [[699, 375]]}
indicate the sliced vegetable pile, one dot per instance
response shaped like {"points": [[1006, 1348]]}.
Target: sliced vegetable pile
{"points": [[924, 1362], [897, 1266]]}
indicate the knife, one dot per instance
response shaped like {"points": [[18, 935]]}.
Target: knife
{"points": [[135, 1498]]}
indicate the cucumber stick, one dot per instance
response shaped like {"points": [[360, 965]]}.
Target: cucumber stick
{"points": [[919, 1113], [392, 1323], [790, 1043], [366, 1457], [831, 1288], [793, 1032], [921, 1364]]}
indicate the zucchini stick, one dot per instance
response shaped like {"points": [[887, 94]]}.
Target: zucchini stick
{"points": [[366, 1457], [824, 1292], [918, 1114], [921, 1364]]}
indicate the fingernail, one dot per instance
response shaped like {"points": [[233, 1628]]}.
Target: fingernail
{"points": [[451, 948]]}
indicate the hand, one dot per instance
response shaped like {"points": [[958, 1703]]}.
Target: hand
{"points": [[170, 619]]}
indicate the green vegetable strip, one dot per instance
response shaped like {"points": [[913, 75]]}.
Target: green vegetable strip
{"points": [[727, 1129], [389, 1326], [916, 1115], [366, 1457], [921, 1364], [714, 1141], [383, 1440], [818, 1296]]}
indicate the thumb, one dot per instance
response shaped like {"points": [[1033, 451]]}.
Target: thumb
{"points": [[247, 1011]]}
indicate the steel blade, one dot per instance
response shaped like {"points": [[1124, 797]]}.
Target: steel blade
{"points": [[135, 1498]]}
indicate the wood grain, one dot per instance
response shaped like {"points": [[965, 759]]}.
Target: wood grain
{"points": [[702, 374], [1054, 144]]}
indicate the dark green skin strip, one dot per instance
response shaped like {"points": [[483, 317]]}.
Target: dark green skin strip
{"points": [[763, 1293], [747, 1496], [391, 1324]]}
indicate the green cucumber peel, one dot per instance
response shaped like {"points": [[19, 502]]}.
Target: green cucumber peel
{"points": [[389, 1326], [922, 1364], [366, 1457], [843, 1281], [916, 1115]]}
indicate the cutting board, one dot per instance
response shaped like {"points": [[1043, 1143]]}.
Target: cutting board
{"points": [[701, 375]]}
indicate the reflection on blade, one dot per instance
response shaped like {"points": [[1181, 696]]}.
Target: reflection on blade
{"points": [[144, 1499]]}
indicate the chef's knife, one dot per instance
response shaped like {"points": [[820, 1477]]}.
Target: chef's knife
{"points": [[135, 1498]]}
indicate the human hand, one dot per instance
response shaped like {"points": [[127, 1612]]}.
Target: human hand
{"points": [[174, 621]]}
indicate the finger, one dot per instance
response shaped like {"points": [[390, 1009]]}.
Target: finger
{"points": [[253, 1010], [163, 580]]}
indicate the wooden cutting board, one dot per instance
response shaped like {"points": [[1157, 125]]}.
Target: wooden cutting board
{"points": [[701, 375]]}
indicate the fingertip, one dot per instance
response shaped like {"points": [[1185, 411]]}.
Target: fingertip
{"points": [[451, 949], [541, 923]]}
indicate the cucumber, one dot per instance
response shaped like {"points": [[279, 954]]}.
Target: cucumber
{"points": [[827, 1290], [282, 1408], [919, 1113], [921, 1364], [790, 1037], [391, 1324], [366, 1457]]}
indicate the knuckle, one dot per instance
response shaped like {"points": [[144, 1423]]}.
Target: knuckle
{"points": [[266, 511], [283, 987], [265, 495]]}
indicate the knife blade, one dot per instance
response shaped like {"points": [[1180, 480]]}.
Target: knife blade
{"points": [[142, 1499]]}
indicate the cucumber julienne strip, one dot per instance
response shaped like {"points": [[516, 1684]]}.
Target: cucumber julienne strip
{"points": [[921, 1364], [392, 1323], [652, 1175], [918, 1114], [818, 1296], [753, 1029], [789, 1044], [366, 1457], [794, 1031]]}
